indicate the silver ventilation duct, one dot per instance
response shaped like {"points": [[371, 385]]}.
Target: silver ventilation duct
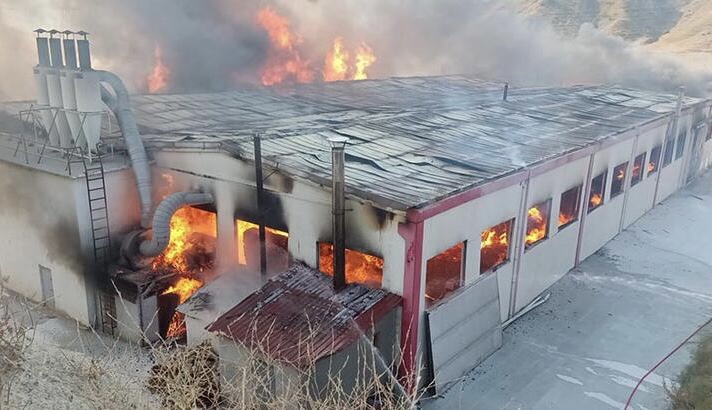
{"points": [[137, 152], [162, 219]]}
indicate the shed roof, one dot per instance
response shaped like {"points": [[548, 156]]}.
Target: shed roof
{"points": [[297, 318], [414, 141]]}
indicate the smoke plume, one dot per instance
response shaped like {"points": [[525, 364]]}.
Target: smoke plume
{"points": [[215, 44]]}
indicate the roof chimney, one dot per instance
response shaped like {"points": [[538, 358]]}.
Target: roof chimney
{"points": [[338, 212]]}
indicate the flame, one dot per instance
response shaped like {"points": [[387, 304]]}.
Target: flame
{"points": [[651, 167], [337, 64], [364, 59], [284, 62], [184, 288], [283, 59], [158, 79], [185, 253], [443, 273], [536, 225], [620, 175], [635, 172], [241, 228], [494, 246], [595, 200], [360, 267]]}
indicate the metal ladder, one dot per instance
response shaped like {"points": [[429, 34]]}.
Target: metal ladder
{"points": [[101, 237]]}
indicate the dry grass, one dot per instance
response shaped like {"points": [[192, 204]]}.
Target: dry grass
{"points": [[93, 371], [694, 386]]}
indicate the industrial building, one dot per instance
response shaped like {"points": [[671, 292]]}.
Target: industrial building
{"points": [[465, 199]]}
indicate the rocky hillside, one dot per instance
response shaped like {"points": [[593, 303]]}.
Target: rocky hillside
{"points": [[683, 24]]}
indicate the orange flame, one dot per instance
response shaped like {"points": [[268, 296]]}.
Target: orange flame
{"points": [[283, 59], [565, 218], [595, 200], [337, 62], [182, 245], [184, 288], [651, 167], [360, 267], [158, 78], [536, 225], [494, 246], [364, 59], [621, 174], [241, 229]]}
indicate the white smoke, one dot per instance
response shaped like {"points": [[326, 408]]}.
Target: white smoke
{"points": [[212, 44]]}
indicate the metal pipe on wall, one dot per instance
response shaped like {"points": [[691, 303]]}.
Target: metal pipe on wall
{"points": [[338, 159], [260, 204]]}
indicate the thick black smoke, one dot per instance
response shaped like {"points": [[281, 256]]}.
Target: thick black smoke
{"points": [[212, 44]]}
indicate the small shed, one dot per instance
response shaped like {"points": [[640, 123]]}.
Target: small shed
{"points": [[300, 326]]}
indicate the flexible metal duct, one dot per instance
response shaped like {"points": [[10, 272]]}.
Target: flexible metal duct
{"points": [[162, 219], [121, 107]]}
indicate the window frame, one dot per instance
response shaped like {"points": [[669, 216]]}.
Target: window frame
{"points": [[603, 175], [461, 276], [511, 222], [614, 179], [659, 149], [680, 146], [633, 180], [669, 143], [547, 232], [577, 212]]}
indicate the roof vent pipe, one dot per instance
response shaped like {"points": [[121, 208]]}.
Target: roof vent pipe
{"points": [[506, 91], [162, 219], [121, 107], [338, 212]]}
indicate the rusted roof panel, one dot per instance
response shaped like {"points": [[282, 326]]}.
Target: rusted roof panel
{"points": [[297, 318]]}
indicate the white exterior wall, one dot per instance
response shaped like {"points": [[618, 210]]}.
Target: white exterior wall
{"points": [[603, 223], [640, 196], [40, 227], [466, 223], [547, 261]]}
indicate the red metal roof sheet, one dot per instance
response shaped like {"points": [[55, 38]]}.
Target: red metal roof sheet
{"points": [[297, 318]]}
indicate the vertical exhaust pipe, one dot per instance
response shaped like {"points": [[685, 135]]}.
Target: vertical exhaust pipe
{"points": [[338, 212]]}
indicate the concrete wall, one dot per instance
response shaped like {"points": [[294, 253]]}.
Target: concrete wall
{"points": [[40, 226]]}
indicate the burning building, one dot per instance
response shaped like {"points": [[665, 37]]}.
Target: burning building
{"points": [[173, 213]]}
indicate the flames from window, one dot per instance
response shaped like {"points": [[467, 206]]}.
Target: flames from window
{"points": [[537, 223], [494, 246], [360, 267], [569, 206], [248, 252], [184, 288], [443, 274], [190, 252], [595, 200], [157, 80], [191, 248]]}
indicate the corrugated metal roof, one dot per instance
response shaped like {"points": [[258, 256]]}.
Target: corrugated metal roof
{"points": [[297, 318], [413, 140]]}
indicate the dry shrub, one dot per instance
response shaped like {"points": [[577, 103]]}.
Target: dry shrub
{"points": [[14, 336], [185, 377]]}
